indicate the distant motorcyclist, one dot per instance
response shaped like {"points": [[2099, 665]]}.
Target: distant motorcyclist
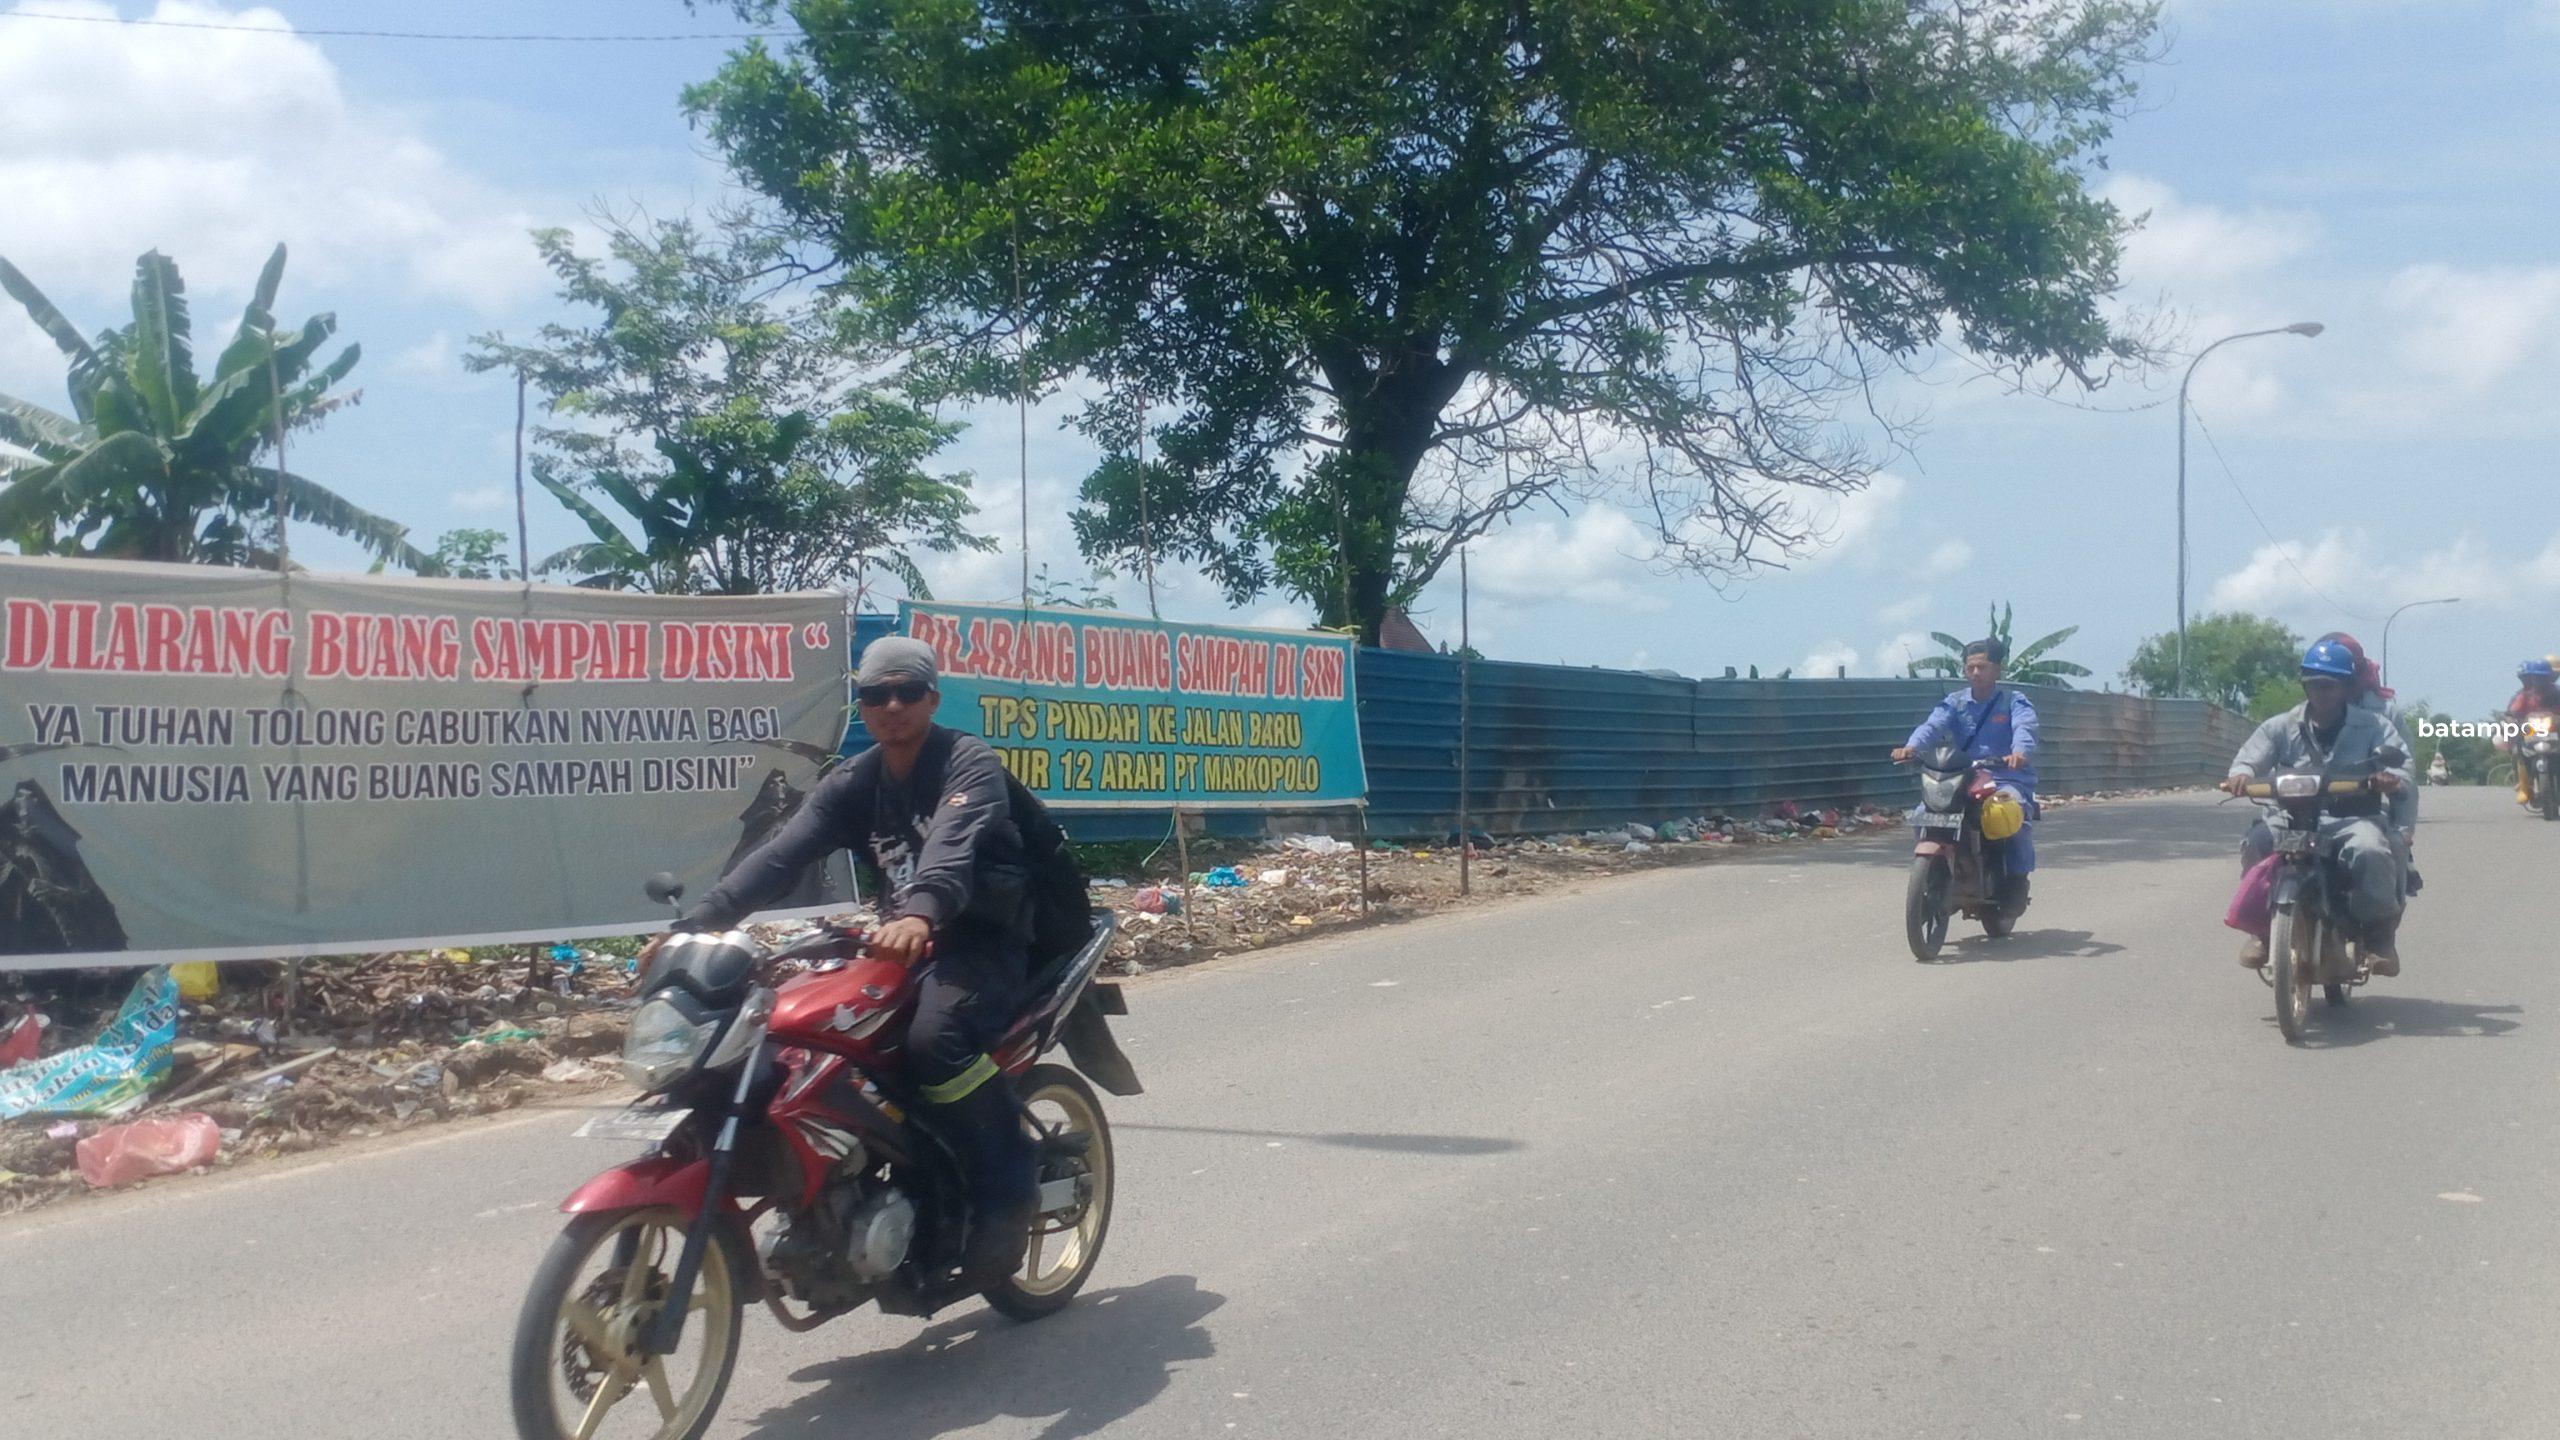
{"points": [[1995, 725], [2329, 733], [2539, 694]]}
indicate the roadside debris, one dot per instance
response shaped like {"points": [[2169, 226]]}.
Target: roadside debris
{"points": [[122, 1154], [112, 1073]]}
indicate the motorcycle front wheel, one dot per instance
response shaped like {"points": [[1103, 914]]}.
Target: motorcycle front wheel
{"points": [[576, 1372], [1924, 906], [2550, 793], [1065, 1243], [2293, 946]]}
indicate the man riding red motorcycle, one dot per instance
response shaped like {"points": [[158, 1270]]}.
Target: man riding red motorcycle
{"points": [[930, 810]]}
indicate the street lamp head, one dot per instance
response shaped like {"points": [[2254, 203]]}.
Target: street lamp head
{"points": [[2306, 328]]}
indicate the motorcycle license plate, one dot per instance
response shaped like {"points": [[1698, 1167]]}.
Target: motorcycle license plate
{"points": [[636, 1124], [1940, 822]]}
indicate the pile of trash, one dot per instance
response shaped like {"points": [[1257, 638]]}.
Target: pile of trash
{"points": [[1303, 885], [201, 1066]]}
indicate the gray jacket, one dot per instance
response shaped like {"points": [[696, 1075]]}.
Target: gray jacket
{"points": [[2404, 806], [2285, 743]]}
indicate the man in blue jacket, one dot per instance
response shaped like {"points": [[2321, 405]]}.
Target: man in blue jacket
{"points": [[1991, 722]]}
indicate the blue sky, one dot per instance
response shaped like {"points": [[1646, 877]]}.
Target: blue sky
{"points": [[2382, 166]]}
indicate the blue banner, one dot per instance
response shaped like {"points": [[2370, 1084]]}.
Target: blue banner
{"points": [[1099, 711]]}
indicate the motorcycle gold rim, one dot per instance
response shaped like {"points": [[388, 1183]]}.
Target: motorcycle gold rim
{"points": [[1059, 1253], [598, 1322], [2293, 998]]}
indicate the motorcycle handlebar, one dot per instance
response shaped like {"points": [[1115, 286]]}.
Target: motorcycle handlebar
{"points": [[2266, 789]]}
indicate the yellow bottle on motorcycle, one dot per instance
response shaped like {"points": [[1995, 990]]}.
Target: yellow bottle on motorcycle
{"points": [[2002, 817]]}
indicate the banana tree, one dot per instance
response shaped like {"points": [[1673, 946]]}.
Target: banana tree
{"points": [[154, 463], [2031, 665]]}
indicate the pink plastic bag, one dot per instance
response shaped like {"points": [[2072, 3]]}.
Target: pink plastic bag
{"points": [[122, 1154], [2253, 904]]}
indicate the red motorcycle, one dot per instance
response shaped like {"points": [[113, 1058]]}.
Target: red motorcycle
{"points": [[789, 1165]]}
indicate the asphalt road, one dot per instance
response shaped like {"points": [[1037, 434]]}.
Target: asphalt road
{"points": [[1697, 1152]]}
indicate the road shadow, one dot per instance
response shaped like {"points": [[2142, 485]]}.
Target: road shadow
{"points": [[2028, 945], [1403, 1144], [1082, 1370], [2370, 1017]]}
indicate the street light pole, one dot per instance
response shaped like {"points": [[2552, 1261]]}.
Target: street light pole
{"points": [[2386, 630], [2306, 329]]}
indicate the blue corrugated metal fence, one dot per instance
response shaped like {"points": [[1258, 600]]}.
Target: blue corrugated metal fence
{"points": [[1557, 748]]}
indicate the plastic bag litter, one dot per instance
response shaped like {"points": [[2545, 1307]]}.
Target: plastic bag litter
{"points": [[1316, 844], [19, 1043], [2253, 904], [112, 1073], [122, 1154], [1158, 900], [1225, 877]]}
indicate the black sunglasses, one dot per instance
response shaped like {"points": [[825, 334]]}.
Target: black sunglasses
{"points": [[905, 692]]}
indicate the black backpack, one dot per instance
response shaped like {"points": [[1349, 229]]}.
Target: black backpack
{"points": [[1055, 889], [1061, 895]]}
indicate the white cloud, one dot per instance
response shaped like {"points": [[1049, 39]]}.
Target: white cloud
{"points": [[1594, 558], [1894, 656], [1948, 557], [2186, 245], [488, 499], [1829, 658], [1844, 523], [214, 145], [1282, 617], [2475, 327], [436, 360], [2347, 570], [1903, 612]]}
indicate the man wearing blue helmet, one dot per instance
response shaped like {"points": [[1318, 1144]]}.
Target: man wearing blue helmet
{"points": [[2537, 696], [2328, 732]]}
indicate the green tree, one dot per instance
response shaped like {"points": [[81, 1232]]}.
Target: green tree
{"points": [[2031, 664], [1388, 271], [469, 554], [155, 463], [726, 421], [2232, 659]]}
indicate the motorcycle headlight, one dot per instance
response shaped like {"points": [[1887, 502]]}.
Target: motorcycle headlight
{"points": [[2297, 787], [1938, 792], [662, 1045]]}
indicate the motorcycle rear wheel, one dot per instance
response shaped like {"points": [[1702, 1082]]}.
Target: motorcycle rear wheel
{"points": [[574, 1319], [1924, 906], [2550, 790], [1063, 1248], [2292, 944]]}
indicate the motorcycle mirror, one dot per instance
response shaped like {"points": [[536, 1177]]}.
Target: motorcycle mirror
{"points": [[664, 888]]}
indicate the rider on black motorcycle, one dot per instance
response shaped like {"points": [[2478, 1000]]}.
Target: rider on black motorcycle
{"points": [[1997, 726], [2328, 732], [930, 810]]}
